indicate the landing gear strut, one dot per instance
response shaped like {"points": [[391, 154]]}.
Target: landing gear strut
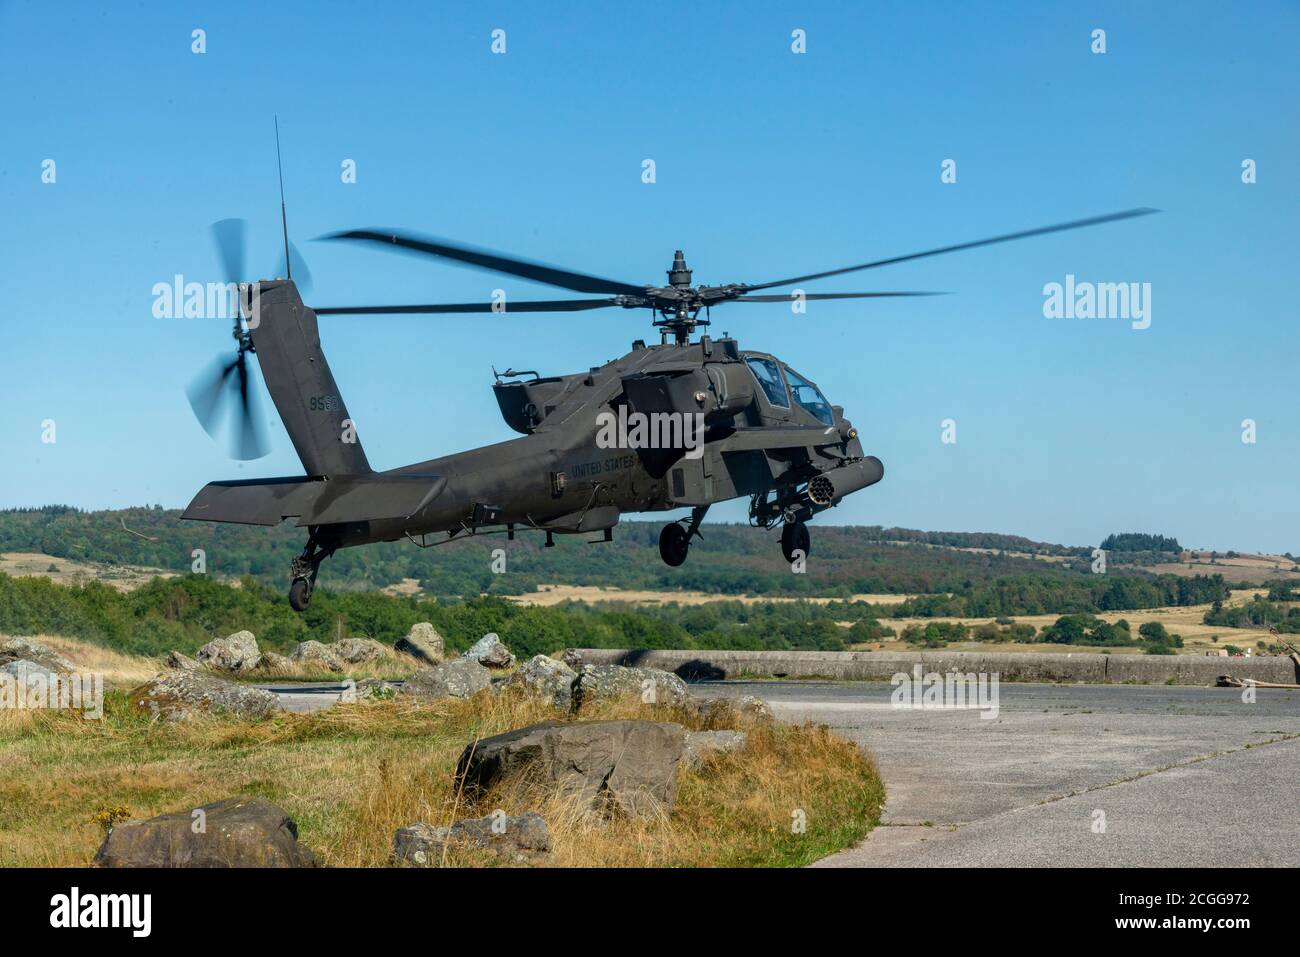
{"points": [[675, 539], [795, 537], [302, 571]]}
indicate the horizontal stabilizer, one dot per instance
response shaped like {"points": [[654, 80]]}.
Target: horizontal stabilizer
{"points": [[363, 498], [349, 498]]}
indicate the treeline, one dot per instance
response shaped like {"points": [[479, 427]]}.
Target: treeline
{"points": [[1044, 595], [1140, 542], [184, 613], [730, 559]]}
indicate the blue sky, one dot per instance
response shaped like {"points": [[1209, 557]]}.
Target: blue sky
{"points": [[769, 164]]}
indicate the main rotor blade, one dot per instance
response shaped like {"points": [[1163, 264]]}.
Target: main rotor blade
{"points": [[1005, 238], [493, 262], [507, 307], [230, 238], [789, 297]]}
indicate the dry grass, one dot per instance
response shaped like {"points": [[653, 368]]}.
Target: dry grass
{"points": [[548, 595], [352, 775]]}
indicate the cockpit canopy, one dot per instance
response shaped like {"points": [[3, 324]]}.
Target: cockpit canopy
{"points": [[809, 398]]}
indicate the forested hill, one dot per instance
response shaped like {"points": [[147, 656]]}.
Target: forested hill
{"points": [[731, 559]]}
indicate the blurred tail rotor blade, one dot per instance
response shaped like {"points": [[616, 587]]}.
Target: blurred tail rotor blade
{"points": [[230, 236], [207, 393], [249, 438], [297, 268]]}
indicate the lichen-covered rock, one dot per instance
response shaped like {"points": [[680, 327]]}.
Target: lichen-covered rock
{"points": [[368, 689], [700, 745], [179, 662], [236, 832], [462, 678], [39, 653], [355, 651], [490, 652], [177, 695], [615, 681], [237, 652], [313, 654], [423, 642], [547, 678], [629, 767], [517, 839]]}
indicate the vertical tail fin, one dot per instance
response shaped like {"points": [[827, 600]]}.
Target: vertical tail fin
{"points": [[301, 384]]}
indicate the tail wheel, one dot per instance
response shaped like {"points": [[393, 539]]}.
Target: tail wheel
{"points": [[795, 537], [674, 543], [300, 594]]}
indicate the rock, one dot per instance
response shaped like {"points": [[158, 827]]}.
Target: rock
{"points": [[701, 744], [724, 710], [274, 661], [236, 832], [179, 662], [572, 658], [237, 652], [181, 694], [628, 766], [355, 651], [548, 678], [423, 642], [616, 681], [38, 653], [490, 652], [462, 678], [313, 654], [22, 670], [518, 839], [369, 689]]}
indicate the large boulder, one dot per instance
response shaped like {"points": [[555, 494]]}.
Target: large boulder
{"points": [[236, 832], [516, 839], [701, 745], [237, 652], [178, 694], [615, 681], [36, 652], [462, 678], [423, 642], [313, 654], [547, 678], [490, 652], [355, 651], [624, 766], [573, 658]]}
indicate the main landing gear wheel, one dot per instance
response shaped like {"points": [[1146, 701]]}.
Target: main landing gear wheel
{"points": [[795, 537], [674, 543], [300, 594]]}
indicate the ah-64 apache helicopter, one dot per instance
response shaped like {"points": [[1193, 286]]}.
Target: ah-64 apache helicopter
{"points": [[768, 432]]}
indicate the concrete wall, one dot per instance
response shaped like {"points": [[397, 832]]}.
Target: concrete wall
{"points": [[1011, 666]]}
